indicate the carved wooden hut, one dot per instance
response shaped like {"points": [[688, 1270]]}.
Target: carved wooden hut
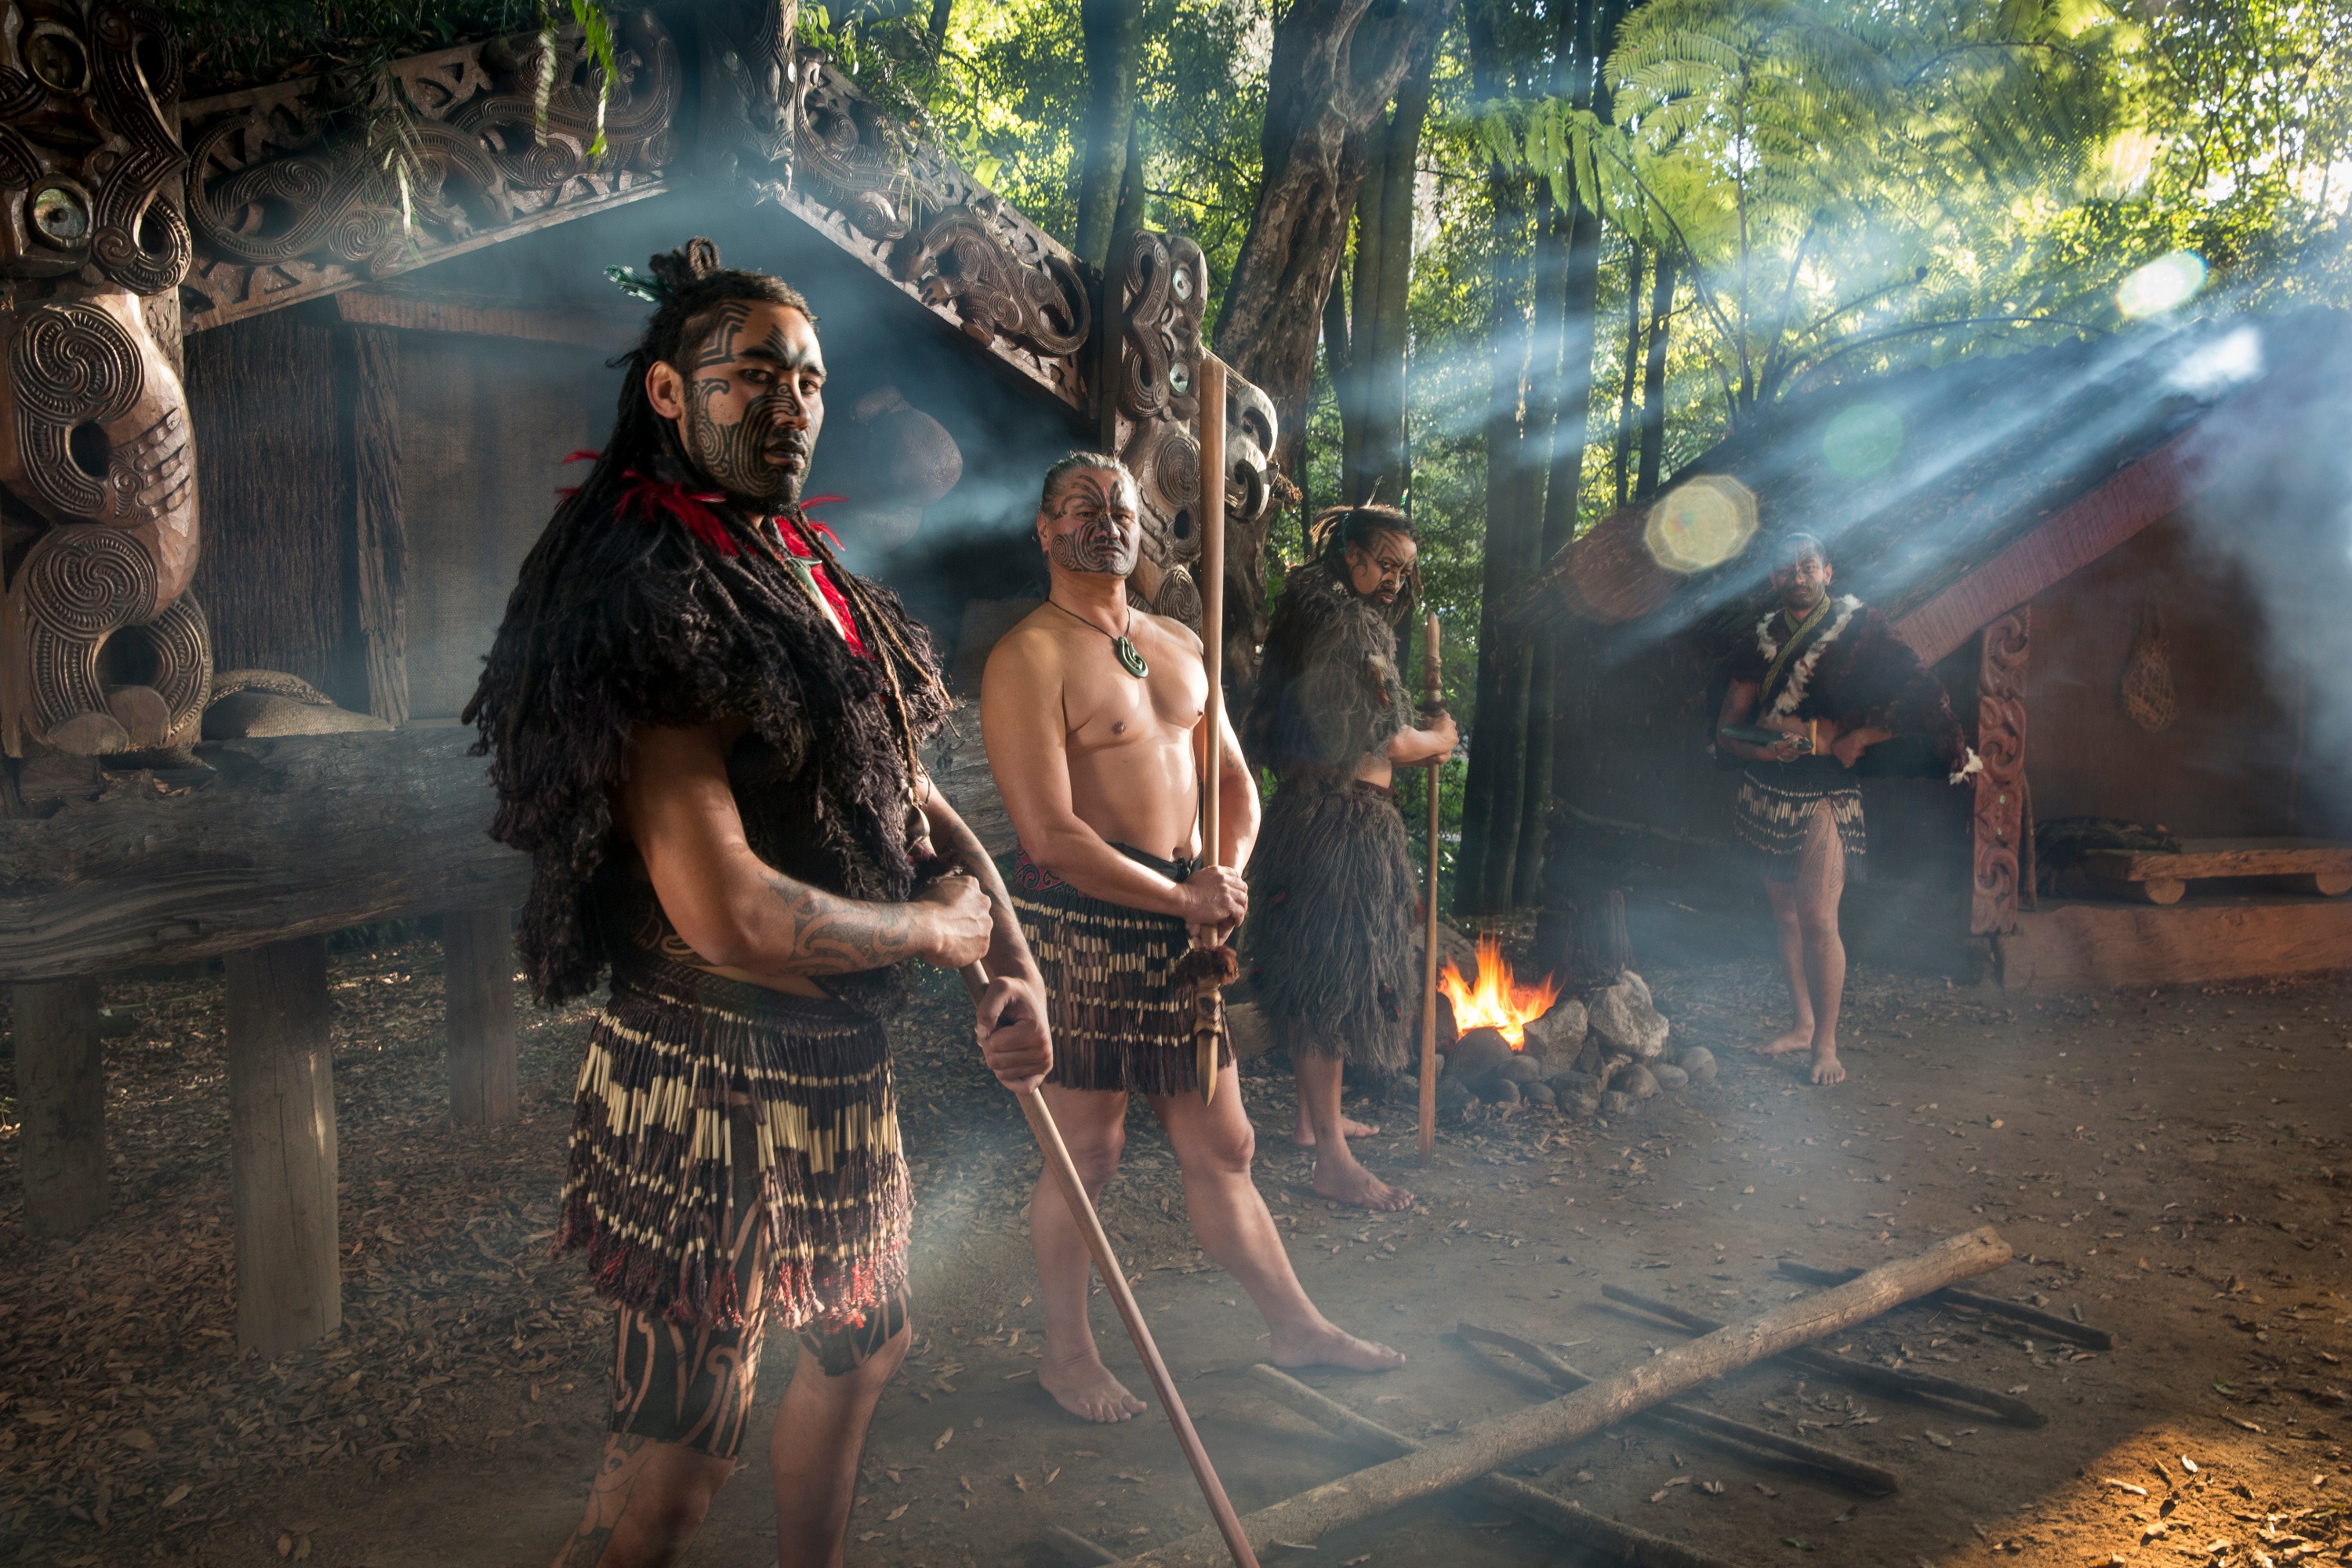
{"points": [[278, 425], [2120, 559]]}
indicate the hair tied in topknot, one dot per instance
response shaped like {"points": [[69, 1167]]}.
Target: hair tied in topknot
{"points": [[687, 265], [639, 285]]}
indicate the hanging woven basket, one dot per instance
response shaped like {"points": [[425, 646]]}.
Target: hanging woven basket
{"points": [[2148, 701]]}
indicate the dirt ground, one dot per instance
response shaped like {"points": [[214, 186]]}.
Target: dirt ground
{"points": [[2167, 1165]]}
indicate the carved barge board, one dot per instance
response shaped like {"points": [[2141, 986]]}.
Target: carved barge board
{"points": [[2001, 788], [293, 837], [287, 194]]}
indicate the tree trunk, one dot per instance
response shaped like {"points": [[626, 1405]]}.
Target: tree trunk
{"points": [[1629, 373], [1336, 65], [1491, 796], [1653, 378], [1383, 275], [1112, 34]]}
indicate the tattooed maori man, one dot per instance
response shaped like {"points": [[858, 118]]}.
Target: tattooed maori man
{"points": [[1830, 675], [1332, 935], [1093, 713], [704, 731]]}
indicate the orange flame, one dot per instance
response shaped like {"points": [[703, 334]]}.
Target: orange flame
{"points": [[1498, 1001]]}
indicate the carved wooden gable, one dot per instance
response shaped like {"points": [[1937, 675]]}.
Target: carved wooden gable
{"points": [[308, 186]]}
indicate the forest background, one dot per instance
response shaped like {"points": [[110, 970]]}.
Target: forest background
{"points": [[1511, 263]]}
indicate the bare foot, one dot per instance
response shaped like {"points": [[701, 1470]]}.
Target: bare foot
{"points": [[1305, 1135], [1827, 1068], [1343, 1181], [1085, 1387], [1798, 1038], [1324, 1343]]}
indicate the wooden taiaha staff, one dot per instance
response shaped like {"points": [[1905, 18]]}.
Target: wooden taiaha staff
{"points": [[1081, 1209], [1208, 1000], [1433, 676]]}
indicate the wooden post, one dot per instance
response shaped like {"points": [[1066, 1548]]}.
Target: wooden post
{"points": [[381, 528], [61, 1102], [478, 977], [1433, 693], [281, 1098], [1208, 1020]]}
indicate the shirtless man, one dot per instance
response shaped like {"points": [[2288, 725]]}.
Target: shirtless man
{"points": [[1092, 712]]}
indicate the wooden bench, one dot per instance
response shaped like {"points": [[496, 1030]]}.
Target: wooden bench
{"points": [[2160, 877]]}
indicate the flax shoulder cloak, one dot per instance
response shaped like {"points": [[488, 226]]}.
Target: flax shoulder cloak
{"points": [[625, 619]]}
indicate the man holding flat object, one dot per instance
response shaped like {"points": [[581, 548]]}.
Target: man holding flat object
{"points": [[1821, 680], [1093, 712]]}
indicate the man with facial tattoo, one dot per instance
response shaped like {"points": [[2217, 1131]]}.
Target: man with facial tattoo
{"points": [[704, 732], [1092, 714]]}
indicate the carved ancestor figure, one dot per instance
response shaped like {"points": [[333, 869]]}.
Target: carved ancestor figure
{"points": [[102, 651], [1828, 674], [704, 732], [1335, 893]]}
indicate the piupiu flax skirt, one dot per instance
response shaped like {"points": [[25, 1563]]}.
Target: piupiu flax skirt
{"points": [[653, 1160], [1119, 1018], [1775, 812], [1332, 907]]}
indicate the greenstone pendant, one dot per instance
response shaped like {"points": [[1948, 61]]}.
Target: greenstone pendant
{"points": [[1129, 659]]}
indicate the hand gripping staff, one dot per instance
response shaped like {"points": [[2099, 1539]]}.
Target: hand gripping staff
{"points": [[1114, 1278]]}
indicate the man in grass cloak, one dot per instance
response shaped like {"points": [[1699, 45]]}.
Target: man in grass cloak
{"points": [[704, 731]]}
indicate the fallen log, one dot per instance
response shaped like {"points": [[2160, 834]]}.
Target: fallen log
{"points": [[1554, 1513], [1757, 1444], [1896, 1382], [1465, 1456], [2049, 1324]]}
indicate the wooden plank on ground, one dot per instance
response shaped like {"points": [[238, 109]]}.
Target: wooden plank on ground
{"points": [[1465, 1456], [2103, 945], [2200, 857]]}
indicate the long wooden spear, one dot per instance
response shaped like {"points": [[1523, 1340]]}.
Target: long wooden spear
{"points": [[1209, 1001], [1114, 1278], [1433, 688]]}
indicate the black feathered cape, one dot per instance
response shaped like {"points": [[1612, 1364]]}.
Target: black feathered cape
{"points": [[1853, 672], [622, 618], [1329, 694]]}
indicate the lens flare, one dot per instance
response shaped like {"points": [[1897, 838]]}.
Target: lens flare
{"points": [[1863, 439], [2164, 284], [1701, 522]]}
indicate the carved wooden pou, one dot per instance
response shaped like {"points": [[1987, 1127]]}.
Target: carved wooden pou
{"points": [[106, 650], [101, 649]]}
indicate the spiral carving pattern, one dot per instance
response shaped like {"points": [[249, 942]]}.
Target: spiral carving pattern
{"points": [[85, 582], [74, 363], [183, 659]]}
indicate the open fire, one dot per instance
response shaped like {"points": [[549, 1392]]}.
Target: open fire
{"points": [[1497, 1001]]}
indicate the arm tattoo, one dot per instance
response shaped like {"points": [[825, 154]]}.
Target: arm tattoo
{"points": [[827, 934]]}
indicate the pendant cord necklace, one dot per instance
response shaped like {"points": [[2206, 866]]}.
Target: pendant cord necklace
{"points": [[1129, 659]]}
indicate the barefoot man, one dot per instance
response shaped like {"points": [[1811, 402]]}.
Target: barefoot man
{"points": [[1332, 936], [1830, 675], [1093, 712], [703, 731]]}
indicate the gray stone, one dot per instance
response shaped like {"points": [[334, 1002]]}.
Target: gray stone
{"points": [[1475, 1055], [1615, 1104], [1504, 1092], [1623, 1016], [1669, 1076], [1521, 1068], [1538, 1094], [1558, 1036], [1570, 1084], [1699, 1062], [1638, 1081]]}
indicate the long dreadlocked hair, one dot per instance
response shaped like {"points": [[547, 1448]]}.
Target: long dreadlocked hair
{"points": [[1334, 528], [617, 621]]}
